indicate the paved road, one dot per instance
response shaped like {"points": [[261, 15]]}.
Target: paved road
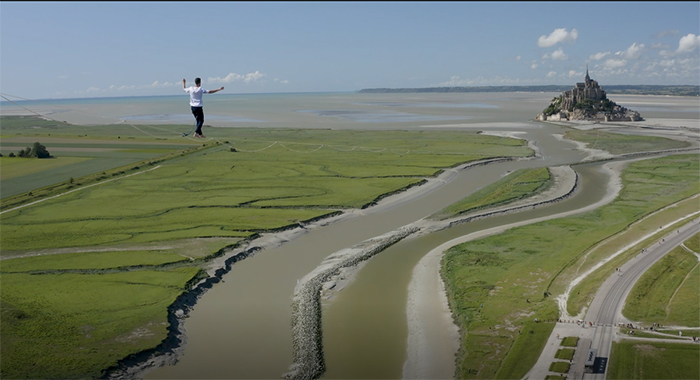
{"points": [[605, 312], [606, 308]]}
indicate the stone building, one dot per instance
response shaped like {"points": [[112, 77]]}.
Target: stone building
{"points": [[586, 101], [589, 89]]}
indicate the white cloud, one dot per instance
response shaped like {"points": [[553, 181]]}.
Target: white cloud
{"points": [[92, 89], [632, 52], [557, 55], [688, 43], [283, 81], [574, 73], [551, 74], [667, 63], [557, 36], [615, 63], [534, 66], [599, 56], [517, 57], [233, 77]]}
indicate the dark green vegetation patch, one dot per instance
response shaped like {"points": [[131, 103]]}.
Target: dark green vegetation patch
{"points": [[565, 353], [569, 341], [515, 186], [561, 367], [76, 325]]}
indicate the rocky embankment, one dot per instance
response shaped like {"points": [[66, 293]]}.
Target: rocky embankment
{"points": [[306, 307]]}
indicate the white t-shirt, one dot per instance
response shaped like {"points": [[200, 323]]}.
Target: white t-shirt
{"points": [[196, 95]]}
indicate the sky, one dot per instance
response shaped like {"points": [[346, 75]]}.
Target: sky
{"points": [[54, 50]]}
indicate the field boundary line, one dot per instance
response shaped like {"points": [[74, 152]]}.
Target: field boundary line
{"points": [[78, 189]]}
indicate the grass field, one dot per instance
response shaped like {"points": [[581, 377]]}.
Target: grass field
{"points": [[669, 292], [525, 349], [12, 167], [68, 314], [76, 325], [693, 244], [74, 154], [569, 341], [633, 360], [565, 353], [515, 186], [561, 367], [620, 144], [510, 274], [214, 192], [90, 260]]}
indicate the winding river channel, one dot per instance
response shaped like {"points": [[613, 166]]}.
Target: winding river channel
{"points": [[241, 328]]}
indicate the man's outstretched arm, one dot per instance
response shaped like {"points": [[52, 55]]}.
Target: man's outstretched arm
{"points": [[217, 90]]}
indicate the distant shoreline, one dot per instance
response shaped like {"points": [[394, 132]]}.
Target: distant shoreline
{"points": [[673, 90]]}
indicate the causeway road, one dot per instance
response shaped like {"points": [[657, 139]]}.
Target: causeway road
{"points": [[597, 330], [606, 307]]}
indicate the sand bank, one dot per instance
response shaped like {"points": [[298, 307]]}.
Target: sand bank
{"points": [[433, 338]]}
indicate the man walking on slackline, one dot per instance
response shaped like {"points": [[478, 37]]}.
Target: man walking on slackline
{"points": [[196, 103]]}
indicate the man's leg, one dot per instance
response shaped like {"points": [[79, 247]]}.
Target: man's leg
{"points": [[198, 113]]}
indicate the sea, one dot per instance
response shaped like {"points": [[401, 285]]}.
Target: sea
{"points": [[295, 110], [344, 110]]}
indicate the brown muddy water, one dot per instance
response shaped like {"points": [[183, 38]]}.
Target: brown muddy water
{"points": [[241, 327]]}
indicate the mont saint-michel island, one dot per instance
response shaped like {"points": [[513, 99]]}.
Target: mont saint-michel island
{"points": [[587, 101]]}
